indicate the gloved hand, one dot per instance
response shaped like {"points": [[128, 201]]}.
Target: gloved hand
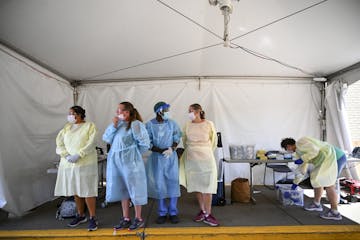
{"points": [[158, 150], [73, 158], [298, 161], [294, 186], [167, 153]]}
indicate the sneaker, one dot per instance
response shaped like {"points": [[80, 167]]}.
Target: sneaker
{"points": [[136, 224], [210, 220], [93, 224], [124, 224], [200, 216], [78, 220], [161, 220], [314, 207], [331, 215], [174, 219]]}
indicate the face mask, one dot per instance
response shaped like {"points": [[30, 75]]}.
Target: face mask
{"points": [[192, 116], [71, 119], [166, 115], [121, 116]]}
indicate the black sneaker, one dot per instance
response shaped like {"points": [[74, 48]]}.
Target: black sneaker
{"points": [[161, 220], [136, 224], [124, 224], [78, 220], [174, 219], [93, 224]]}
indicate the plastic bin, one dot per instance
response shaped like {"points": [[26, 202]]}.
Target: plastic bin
{"points": [[289, 197]]}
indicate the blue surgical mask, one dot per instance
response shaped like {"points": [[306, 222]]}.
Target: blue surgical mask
{"points": [[166, 115]]}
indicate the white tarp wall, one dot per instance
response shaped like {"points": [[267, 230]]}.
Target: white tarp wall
{"points": [[245, 111], [33, 107], [338, 132]]}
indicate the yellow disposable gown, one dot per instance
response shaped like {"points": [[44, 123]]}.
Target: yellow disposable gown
{"points": [[322, 155], [198, 172], [80, 178]]}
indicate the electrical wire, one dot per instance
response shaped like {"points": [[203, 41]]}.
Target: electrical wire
{"points": [[280, 19], [213, 45], [262, 56], [153, 61]]}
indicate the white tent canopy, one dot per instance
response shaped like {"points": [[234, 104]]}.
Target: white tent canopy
{"points": [[144, 52]]}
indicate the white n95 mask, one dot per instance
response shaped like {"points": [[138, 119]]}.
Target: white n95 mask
{"points": [[192, 116], [71, 119], [121, 116]]}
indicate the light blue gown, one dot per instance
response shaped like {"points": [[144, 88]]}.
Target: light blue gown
{"points": [[163, 173], [125, 173]]}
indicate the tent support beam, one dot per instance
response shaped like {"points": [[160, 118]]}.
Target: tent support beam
{"points": [[222, 77], [75, 85], [322, 111], [342, 71]]}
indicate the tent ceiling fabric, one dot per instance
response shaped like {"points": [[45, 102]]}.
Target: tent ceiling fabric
{"points": [[83, 39]]}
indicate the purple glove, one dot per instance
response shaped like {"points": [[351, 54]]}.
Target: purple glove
{"points": [[294, 186], [298, 161]]}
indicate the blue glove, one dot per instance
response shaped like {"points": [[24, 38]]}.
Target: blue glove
{"points": [[73, 158], [294, 186], [298, 161]]}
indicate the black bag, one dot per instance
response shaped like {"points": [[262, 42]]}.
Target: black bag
{"points": [[356, 152], [218, 199], [66, 209]]}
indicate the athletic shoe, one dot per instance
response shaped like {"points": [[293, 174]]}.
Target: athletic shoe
{"points": [[331, 215], [136, 224], [93, 224], [174, 219], [161, 220], [78, 220], [124, 224], [314, 207], [199, 217], [210, 220]]}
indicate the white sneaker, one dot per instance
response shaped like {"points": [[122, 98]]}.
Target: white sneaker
{"points": [[314, 207], [331, 215]]}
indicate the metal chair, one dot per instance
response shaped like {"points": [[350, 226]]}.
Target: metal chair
{"points": [[277, 168]]}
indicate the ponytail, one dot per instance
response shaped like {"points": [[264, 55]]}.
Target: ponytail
{"points": [[202, 114], [134, 114]]}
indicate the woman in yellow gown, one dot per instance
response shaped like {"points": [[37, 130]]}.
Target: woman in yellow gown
{"points": [[198, 171], [78, 169]]}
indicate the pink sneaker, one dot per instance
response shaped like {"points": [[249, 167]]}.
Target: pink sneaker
{"points": [[200, 216], [210, 220]]}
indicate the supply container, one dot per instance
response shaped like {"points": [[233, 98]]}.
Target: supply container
{"points": [[237, 152], [289, 197], [250, 151]]}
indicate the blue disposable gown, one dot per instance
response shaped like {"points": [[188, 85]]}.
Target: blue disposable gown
{"points": [[163, 172], [125, 173]]}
